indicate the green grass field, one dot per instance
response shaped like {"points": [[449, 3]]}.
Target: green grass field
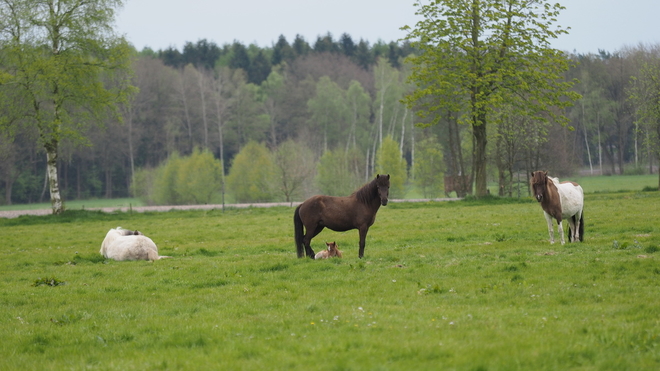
{"points": [[468, 285]]}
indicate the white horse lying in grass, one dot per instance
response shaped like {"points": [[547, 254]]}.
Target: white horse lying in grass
{"points": [[123, 244]]}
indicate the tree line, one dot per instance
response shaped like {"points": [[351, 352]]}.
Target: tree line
{"points": [[331, 111]]}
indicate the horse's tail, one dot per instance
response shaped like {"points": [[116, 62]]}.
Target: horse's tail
{"points": [[581, 229], [299, 233]]}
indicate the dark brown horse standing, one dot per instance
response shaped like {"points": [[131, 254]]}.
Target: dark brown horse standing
{"points": [[357, 211]]}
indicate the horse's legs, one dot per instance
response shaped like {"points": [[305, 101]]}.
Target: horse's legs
{"points": [[363, 237], [560, 230], [551, 230], [572, 228], [307, 240], [578, 218]]}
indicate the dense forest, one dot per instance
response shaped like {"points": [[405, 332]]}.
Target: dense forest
{"points": [[333, 97]]}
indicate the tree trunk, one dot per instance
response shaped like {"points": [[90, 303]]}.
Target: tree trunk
{"points": [[202, 92], [8, 186], [108, 182], [479, 132], [55, 197]]}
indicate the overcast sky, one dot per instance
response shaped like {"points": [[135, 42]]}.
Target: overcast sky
{"points": [[159, 24]]}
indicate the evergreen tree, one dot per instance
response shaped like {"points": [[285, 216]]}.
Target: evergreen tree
{"points": [[259, 69], [347, 45], [300, 46], [325, 44], [282, 52], [203, 54], [171, 57], [363, 56], [240, 58]]}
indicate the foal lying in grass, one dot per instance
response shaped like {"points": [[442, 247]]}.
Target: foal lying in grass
{"points": [[330, 252]]}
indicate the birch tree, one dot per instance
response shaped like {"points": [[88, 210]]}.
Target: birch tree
{"points": [[66, 67]]}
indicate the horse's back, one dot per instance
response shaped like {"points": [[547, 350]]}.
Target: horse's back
{"points": [[336, 213], [572, 198], [134, 247]]}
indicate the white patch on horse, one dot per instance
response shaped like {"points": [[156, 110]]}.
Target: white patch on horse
{"points": [[122, 244]]}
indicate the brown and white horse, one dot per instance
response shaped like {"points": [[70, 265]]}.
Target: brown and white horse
{"points": [[330, 252], [123, 244], [560, 201]]}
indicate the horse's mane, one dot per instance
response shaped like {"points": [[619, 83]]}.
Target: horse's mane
{"points": [[366, 193]]}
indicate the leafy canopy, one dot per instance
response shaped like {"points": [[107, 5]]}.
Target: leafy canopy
{"points": [[496, 52]]}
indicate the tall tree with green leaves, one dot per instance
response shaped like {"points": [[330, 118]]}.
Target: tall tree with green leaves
{"points": [[358, 101], [329, 112], [488, 53], [66, 68]]}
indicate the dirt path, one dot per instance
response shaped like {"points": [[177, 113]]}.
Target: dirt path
{"points": [[17, 213]]}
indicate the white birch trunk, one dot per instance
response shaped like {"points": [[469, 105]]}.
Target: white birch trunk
{"points": [[51, 169]]}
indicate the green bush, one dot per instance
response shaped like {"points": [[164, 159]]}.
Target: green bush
{"points": [[199, 177], [251, 177], [390, 161], [180, 180]]}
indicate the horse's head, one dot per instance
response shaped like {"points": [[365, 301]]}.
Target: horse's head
{"points": [[333, 250], [383, 185], [539, 183]]}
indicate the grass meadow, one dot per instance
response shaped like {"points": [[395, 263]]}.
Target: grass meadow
{"points": [[466, 285]]}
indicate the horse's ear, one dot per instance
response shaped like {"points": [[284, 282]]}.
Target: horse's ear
{"points": [[377, 176], [532, 174], [388, 176], [545, 173]]}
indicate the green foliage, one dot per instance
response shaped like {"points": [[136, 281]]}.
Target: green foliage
{"points": [[164, 192], [251, 177], [476, 57], [358, 102], [338, 172], [65, 69], [453, 296], [199, 178], [329, 112], [429, 167], [143, 185], [194, 179], [390, 161]]}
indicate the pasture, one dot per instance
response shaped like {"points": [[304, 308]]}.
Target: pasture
{"points": [[468, 285]]}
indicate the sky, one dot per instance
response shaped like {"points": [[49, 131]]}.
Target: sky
{"points": [[159, 24]]}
